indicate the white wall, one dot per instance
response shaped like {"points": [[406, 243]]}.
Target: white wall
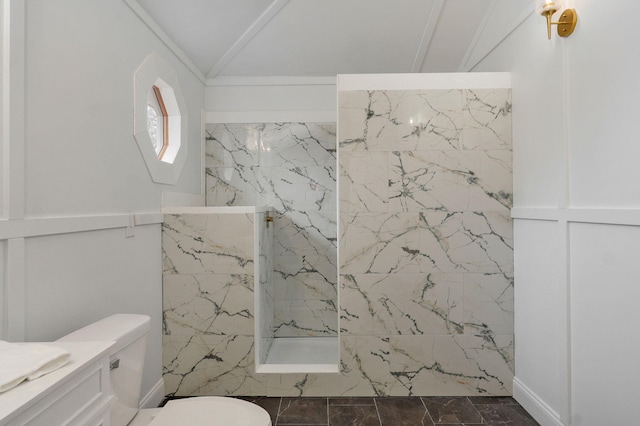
{"points": [[271, 99], [576, 214], [73, 178]]}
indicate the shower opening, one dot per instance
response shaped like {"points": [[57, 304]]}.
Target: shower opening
{"points": [[288, 171]]}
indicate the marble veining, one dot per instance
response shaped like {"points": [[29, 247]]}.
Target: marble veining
{"points": [[290, 167], [426, 251], [400, 120], [397, 304], [426, 241], [207, 244]]}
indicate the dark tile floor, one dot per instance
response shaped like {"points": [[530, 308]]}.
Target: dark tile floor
{"points": [[395, 411]]}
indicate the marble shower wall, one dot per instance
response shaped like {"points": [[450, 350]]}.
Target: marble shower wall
{"points": [[426, 253], [426, 285], [289, 167], [208, 302]]}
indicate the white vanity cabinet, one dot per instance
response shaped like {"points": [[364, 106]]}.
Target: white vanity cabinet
{"points": [[76, 394]]}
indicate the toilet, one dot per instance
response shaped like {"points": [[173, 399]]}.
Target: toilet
{"points": [[126, 364]]}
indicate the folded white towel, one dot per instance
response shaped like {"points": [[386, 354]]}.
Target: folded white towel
{"points": [[28, 361]]}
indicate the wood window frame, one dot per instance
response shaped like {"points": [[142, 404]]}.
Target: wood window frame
{"points": [[165, 121]]}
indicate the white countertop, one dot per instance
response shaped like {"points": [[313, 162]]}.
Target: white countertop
{"points": [[27, 393]]}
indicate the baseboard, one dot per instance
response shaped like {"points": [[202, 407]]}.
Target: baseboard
{"points": [[154, 397], [540, 411]]}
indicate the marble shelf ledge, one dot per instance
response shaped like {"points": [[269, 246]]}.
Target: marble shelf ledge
{"points": [[214, 209]]}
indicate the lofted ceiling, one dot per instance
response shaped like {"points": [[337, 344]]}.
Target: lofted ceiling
{"points": [[256, 38]]}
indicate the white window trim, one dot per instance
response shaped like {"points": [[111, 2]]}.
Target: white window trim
{"points": [[155, 71]]}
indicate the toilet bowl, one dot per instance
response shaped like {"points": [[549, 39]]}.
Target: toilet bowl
{"points": [[210, 410], [129, 332]]}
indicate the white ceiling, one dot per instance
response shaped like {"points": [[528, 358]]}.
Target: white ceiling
{"points": [[255, 38]]}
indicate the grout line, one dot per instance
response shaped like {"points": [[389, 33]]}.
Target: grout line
{"points": [[278, 412], [375, 403], [476, 408], [427, 410], [327, 400]]}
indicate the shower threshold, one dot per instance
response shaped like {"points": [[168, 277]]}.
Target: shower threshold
{"points": [[302, 355]]}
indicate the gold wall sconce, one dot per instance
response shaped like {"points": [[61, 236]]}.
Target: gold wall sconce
{"points": [[568, 18]]}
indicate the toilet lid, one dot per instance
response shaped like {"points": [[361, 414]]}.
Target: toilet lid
{"points": [[211, 411]]}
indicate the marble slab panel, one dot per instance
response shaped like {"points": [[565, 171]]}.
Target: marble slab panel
{"points": [[450, 181], [306, 233], [435, 312], [182, 236], [305, 318], [233, 176], [207, 244], [366, 365], [230, 186], [302, 188], [380, 243], [487, 119], [300, 278], [370, 366], [412, 304], [466, 242], [488, 304], [208, 304], [210, 365], [452, 365], [364, 182], [298, 384], [291, 144], [277, 164], [353, 113], [233, 145], [491, 187], [401, 120], [290, 167]]}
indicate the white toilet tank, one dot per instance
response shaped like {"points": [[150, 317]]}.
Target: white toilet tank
{"points": [[129, 331]]}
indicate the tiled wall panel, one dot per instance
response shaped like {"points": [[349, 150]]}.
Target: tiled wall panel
{"points": [[208, 294], [290, 168], [426, 253]]}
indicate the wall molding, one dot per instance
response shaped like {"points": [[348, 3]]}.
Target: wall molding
{"points": [[12, 207], [534, 405], [173, 47], [15, 233], [266, 16], [272, 81], [213, 117], [13, 109], [627, 217], [14, 292], [487, 38], [427, 35], [431, 81], [38, 227]]}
